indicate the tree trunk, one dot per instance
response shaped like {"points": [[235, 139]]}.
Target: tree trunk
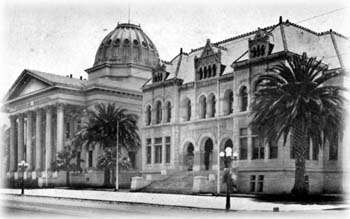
{"points": [[106, 181], [299, 141], [67, 178]]}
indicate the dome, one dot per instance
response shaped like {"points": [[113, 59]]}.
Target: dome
{"points": [[127, 44]]}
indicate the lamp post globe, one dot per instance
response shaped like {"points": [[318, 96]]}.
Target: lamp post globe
{"points": [[22, 166]]}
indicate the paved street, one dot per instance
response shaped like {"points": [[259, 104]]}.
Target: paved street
{"points": [[37, 207]]}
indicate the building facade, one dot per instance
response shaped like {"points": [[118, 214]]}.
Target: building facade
{"points": [[198, 104], [190, 109], [46, 110]]}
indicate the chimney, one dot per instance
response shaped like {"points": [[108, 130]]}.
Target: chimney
{"points": [[81, 77], [180, 50], [70, 75], [281, 20]]}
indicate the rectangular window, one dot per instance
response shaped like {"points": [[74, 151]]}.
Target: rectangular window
{"points": [[260, 183], [167, 149], [273, 148], [158, 150], [243, 142], [90, 158], [252, 183], [315, 152], [148, 151], [258, 148], [333, 151], [67, 130]]}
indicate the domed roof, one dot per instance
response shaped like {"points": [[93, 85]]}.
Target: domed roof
{"points": [[127, 44]]}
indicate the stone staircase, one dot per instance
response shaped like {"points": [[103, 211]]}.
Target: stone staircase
{"points": [[177, 183]]}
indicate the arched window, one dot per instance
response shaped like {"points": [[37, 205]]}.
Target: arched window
{"points": [[168, 111], [228, 144], [244, 99], [203, 106], [158, 112], [188, 110], [228, 104], [200, 74], [209, 71], [205, 73], [212, 103], [148, 115], [214, 70]]}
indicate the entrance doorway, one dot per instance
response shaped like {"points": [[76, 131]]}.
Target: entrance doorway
{"points": [[190, 157], [208, 154]]}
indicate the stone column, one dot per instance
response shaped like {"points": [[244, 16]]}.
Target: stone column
{"points": [[60, 124], [20, 138], [29, 150], [48, 139], [38, 147], [13, 146]]}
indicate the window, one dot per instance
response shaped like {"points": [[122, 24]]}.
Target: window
{"points": [[168, 111], [148, 151], [260, 183], [158, 112], [244, 99], [243, 143], [315, 152], [212, 102], [188, 110], [273, 149], [158, 150], [252, 183], [90, 158], [203, 107], [148, 115], [67, 130], [333, 151], [167, 149], [258, 148], [214, 70]]}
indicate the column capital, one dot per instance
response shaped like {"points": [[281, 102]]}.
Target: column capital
{"points": [[12, 117], [60, 105]]}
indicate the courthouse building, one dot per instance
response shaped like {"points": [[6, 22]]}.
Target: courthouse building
{"points": [[190, 108], [45, 110]]}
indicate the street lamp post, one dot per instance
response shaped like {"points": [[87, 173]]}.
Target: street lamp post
{"points": [[226, 156], [23, 166]]}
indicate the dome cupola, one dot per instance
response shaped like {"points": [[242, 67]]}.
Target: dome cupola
{"points": [[127, 44]]}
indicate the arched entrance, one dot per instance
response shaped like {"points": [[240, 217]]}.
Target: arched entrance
{"points": [[208, 154], [189, 157]]}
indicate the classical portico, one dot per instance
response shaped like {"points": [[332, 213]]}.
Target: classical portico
{"points": [[36, 135]]}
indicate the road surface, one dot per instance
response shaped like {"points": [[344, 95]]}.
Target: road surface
{"points": [[44, 207]]}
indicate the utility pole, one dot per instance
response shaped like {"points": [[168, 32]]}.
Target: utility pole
{"points": [[116, 161]]}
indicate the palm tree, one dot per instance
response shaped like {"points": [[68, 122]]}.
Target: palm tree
{"points": [[110, 126], [296, 97], [64, 162]]}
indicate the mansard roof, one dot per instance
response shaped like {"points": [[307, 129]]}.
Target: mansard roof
{"points": [[329, 46]]}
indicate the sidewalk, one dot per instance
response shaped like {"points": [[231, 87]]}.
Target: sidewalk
{"points": [[191, 201]]}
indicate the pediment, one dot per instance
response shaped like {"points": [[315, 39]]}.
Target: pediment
{"points": [[207, 50], [25, 85]]}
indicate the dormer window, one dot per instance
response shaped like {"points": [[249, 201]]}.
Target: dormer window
{"points": [[159, 74], [261, 45], [208, 64]]}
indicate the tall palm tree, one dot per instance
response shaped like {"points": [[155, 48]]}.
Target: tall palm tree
{"points": [[296, 97], [107, 124]]}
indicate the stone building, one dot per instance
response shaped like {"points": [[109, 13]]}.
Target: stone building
{"points": [[45, 110], [199, 103], [191, 108]]}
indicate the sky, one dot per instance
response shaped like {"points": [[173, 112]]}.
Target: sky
{"points": [[62, 36]]}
